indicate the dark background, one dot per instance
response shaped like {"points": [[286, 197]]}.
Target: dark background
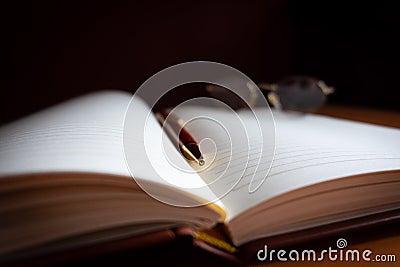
{"points": [[54, 50]]}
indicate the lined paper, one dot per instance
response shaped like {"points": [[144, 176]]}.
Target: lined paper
{"points": [[309, 149], [86, 135]]}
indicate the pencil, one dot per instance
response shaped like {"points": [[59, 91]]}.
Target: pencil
{"points": [[177, 133]]}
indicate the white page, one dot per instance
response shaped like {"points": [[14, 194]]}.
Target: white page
{"points": [[309, 149], [85, 135], [229, 144]]}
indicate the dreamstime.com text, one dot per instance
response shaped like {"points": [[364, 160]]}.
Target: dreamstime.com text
{"points": [[333, 254]]}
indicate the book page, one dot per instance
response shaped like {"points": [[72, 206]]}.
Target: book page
{"points": [[309, 149], [86, 135], [82, 134], [233, 146]]}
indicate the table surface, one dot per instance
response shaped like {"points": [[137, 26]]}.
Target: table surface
{"points": [[374, 116]]}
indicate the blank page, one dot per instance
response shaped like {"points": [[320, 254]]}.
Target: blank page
{"points": [[86, 135], [309, 149]]}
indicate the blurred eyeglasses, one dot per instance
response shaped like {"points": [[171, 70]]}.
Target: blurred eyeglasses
{"points": [[298, 93]]}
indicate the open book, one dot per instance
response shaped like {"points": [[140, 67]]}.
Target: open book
{"points": [[64, 181]]}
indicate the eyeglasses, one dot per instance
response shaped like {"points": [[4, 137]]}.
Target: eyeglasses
{"points": [[298, 93]]}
